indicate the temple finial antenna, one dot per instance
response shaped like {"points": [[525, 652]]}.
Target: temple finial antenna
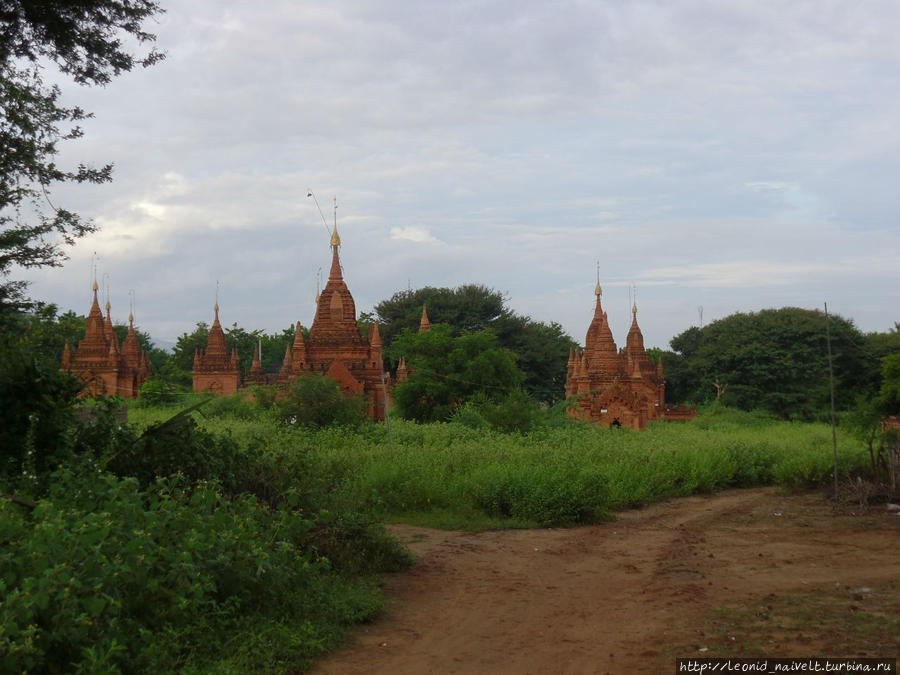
{"points": [[105, 280], [216, 307], [94, 258], [335, 237], [597, 290], [131, 305], [310, 193]]}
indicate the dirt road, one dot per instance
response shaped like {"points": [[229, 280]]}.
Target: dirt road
{"points": [[748, 572]]}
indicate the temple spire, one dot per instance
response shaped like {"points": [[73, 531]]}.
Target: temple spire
{"points": [[424, 324], [335, 237], [375, 336]]}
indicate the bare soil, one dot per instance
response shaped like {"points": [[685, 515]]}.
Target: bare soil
{"points": [[744, 572]]}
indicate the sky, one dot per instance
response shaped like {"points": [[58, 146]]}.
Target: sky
{"points": [[717, 156]]}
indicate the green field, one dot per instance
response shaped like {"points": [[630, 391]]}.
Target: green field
{"points": [[224, 540], [449, 475]]}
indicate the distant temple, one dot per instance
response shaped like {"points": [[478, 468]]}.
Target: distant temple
{"points": [[334, 348], [215, 370], [107, 368], [404, 371], [618, 388]]}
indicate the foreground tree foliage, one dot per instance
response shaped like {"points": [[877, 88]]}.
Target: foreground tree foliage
{"points": [[775, 360], [86, 41], [168, 549]]}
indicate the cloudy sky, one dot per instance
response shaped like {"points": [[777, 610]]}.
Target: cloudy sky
{"points": [[730, 155]]}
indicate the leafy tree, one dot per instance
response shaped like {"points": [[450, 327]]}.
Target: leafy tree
{"points": [[87, 41], [44, 332], [889, 399], [542, 349], [448, 370], [316, 401], [180, 365], [775, 359], [36, 413], [468, 308]]}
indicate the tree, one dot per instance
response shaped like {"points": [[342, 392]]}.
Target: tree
{"points": [[448, 370], [44, 332], [315, 400], [542, 349], [889, 398], [775, 359], [542, 352], [86, 41], [470, 307], [187, 344]]}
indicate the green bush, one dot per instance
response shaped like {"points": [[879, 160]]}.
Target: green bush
{"points": [[103, 572], [36, 415], [158, 392], [316, 401]]}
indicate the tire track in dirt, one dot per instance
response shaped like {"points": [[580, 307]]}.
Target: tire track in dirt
{"points": [[606, 598]]}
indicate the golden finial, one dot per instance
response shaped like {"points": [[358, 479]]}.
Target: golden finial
{"points": [[335, 237], [597, 290], [131, 306], [94, 271], [105, 279]]}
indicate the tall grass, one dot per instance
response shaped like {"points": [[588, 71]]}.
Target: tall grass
{"points": [[452, 475]]}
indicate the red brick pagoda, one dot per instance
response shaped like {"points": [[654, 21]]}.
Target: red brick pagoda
{"points": [[335, 347], [215, 370], [106, 368], [617, 388]]}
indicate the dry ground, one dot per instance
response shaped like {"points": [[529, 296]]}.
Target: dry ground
{"points": [[745, 572]]}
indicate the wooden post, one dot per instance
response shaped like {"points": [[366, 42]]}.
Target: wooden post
{"points": [[831, 388]]}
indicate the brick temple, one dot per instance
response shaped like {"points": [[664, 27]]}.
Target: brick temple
{"points": [[107, 368], [334, 348], [215, 369], [618, 388]]}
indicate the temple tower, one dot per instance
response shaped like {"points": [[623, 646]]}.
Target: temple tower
{"points": [[335, 347], [215, 370], [106, 369], [613, 387]]}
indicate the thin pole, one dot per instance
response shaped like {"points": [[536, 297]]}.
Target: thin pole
{"points": [[831, 387], [387, 408]]}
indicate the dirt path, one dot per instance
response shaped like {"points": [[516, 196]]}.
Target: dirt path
{"points": [[629, 596]]}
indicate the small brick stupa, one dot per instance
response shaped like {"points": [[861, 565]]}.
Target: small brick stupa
{"points": [[403, 370], [618, 388], [107, 369], [215, 370], [335, 348]]}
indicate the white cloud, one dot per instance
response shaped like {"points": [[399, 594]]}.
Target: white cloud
{"points": [[419, 235]]}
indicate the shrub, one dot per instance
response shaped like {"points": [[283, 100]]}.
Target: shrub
{"points": [[316, 401], [36, 413], [157, 392], [151, 580]]}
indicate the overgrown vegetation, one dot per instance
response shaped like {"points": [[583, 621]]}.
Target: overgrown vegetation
{"points": [[243, 533], [474, 473], [173, 547], [777, 360]]}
